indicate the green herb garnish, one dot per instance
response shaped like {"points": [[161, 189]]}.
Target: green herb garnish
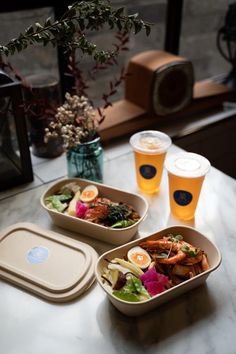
{"points": [[190, 252], [175, 238]]}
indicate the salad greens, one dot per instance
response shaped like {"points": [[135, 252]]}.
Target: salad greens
{"points": [[56, 201], [123, 223], [73, 201], [132, 291], [152, 266]]}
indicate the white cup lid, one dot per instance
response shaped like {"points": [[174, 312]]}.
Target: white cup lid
{"points": [[150, 142], [187, 164]]}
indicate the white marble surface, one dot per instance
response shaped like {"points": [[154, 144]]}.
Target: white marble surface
{"points": [[201, 321]]}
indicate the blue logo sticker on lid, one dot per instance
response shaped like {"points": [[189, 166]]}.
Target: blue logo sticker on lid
{"points": [[147, 171], [182, 197], [38, 254]]}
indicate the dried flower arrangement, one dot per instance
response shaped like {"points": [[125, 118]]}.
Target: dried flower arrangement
{"points": [[75, 121]]}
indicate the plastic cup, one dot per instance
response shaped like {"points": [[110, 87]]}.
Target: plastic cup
{"points": [[186, 173], [150, 149]]}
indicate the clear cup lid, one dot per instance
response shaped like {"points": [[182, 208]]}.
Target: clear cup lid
{"points": [[187, 164], [150, 142]]}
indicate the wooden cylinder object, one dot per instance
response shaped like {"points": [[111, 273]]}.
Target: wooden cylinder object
{"points": [[159, 82]]}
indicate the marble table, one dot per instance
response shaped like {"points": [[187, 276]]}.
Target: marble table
{"points": [[201, 321]]}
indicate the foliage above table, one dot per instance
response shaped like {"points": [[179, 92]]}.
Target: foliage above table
{"points": [[70, 30]]}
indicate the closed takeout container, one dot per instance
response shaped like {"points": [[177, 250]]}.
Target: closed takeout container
{"points": [[100, 232], [138, 308], [46, 263]]}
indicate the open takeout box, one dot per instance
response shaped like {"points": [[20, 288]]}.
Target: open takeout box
{"points": [[100, 232], [190, 235], [46, 263]]}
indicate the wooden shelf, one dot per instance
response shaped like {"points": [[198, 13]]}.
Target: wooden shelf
{"points": [[125, 117]]}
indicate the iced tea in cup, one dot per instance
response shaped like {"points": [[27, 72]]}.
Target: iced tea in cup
{"points": [[186, 173], [150, 149]]}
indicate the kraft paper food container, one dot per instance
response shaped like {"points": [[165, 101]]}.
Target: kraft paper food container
{"points": [[52, 266], [138, 308], [100, 232]]}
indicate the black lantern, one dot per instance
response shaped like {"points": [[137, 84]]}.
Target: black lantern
{"points": [[227, 33], [16, 167]]}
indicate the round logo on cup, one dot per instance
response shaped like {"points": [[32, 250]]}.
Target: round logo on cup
{"points": [[182, 197], [147, 171]]}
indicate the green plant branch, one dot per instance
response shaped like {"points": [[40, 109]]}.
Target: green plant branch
{"points": [[81, 16]]}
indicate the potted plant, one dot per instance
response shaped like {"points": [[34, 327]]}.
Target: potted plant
{"points": [[76, 121]]}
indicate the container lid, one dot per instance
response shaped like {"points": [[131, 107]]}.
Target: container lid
{"points": [[46, 263], [150, 142], [187, 164]]}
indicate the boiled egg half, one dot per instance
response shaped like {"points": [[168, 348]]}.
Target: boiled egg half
{"points": [[138, 256], [89, 193]]}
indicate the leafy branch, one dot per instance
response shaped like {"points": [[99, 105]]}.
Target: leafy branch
{"points": [[80, 82], [70, 33], [90, 15]]}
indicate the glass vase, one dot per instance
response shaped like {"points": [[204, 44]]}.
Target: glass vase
{"points": [[44, 95], [86, 161], [54, 146]]}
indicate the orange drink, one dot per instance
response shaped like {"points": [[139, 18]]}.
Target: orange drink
{"points": [[186, 173], [150, 149]]}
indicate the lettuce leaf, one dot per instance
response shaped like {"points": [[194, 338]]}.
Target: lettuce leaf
{"points": [[56, 201]]}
